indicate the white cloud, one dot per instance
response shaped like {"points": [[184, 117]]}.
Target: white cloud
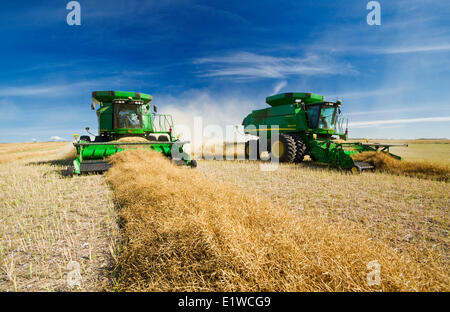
{"points": [[247, 65], [413, 49], [218, 13], [351, 48], [47, 90], [71, 87], [366, 124], [280, 85], [380, 92], [56, 138], [424, 107]]}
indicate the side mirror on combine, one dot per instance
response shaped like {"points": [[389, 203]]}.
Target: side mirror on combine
{"points": [[155, 108], [87, 128], [93, 106]]}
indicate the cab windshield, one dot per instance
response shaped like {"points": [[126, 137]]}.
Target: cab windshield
{"points": [[128, 116], [327, 118], [322, 117]]}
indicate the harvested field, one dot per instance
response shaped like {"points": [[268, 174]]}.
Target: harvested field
{"points": [[409, 213], [186, 232], [48, 221]]}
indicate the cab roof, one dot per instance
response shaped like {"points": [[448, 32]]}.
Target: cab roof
{"points": [[109, 96], [291, 97]]}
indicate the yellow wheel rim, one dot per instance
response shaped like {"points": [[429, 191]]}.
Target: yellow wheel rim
{"points": [[354, 170], [278, 149]]}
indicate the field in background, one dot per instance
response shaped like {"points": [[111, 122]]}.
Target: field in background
{"points": [[425, 151], [422, 150], [417, 150], [429, 150], [47, 220], [15, 151]]}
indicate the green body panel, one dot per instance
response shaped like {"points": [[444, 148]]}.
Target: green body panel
{"points": [[86, 151], [147, 122], [105, 117], [338, 154], [92, 152], [287, 119], [292, 113]]}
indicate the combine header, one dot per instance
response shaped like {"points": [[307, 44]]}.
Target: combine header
{"points": [[307, 125], [126, 114]]}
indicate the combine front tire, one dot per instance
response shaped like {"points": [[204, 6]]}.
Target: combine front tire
{"points": [[163, 138], [284, 149], [251, 150], [68, 172]]}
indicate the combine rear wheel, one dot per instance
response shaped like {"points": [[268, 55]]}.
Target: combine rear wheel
{"points": [[284, 149], [300, 148]]}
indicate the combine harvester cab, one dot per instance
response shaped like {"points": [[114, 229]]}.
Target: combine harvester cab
{"points": [[307, 125], [126, 114]]}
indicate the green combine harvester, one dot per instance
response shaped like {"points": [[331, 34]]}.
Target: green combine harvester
{"points": [[307, 125], [125, 114]]}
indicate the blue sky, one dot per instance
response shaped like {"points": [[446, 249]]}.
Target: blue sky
{"points": [[220, 59]]}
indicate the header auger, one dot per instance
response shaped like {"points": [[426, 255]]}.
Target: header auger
{"points": [[126, 114], [307, 125]]}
